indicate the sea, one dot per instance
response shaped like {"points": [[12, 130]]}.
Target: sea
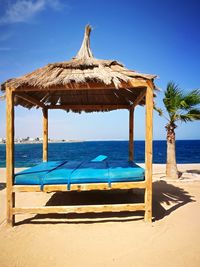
{"points": [[27, 155]]}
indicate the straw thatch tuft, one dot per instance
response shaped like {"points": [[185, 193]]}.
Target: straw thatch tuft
{"points": [[84, 70]]}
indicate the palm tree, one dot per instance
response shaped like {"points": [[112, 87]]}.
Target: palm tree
{"points": [[179, 107]]}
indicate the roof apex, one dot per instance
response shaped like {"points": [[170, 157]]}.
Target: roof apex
{"points": [[85, 51]]}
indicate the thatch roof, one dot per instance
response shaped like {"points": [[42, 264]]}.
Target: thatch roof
{"points": [[84, 80]]}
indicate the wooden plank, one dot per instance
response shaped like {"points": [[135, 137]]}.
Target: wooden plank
{"points": [[135, 82], [131, 122], [45, 134], [89, 187], [26, 188], [148, 154], [105, 186], [129, 185], [30, 100], [79, 187], [60, 187], [89, 107], [152, 85], [126, 95], [139, 98], [10, 154], [80, 209]]}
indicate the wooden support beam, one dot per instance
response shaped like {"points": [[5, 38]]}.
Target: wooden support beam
{"points": [[139, 98], [133, 83], [10, 154], [131, 134], [79, 187], [148, 154], [45, 134], [80, 209], [88, 107], [31, 100], [128, 185], [126, 94]]}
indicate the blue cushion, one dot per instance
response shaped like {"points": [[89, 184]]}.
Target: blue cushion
{"points": [[124, 171], [99, 158], [62, 174], [77, 172], [90, 172], [35, 175]]}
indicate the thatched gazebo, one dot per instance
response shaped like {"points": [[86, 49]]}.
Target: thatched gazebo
{"points": [[82, 84]]}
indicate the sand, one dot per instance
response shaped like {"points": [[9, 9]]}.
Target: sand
{"points": [[119, 239]]}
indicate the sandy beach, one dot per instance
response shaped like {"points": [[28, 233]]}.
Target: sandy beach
{"points": [[109, 239]]}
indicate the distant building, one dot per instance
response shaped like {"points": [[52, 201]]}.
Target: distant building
{"points": [[2, 140]]}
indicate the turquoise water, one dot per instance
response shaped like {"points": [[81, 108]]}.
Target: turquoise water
{"points": [[188, 151]]}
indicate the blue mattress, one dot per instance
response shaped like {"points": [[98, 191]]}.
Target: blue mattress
{"points": [[80, 172], [35, 175]]}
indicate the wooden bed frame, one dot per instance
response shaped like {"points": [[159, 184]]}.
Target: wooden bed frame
{"points": [[12, 189]]}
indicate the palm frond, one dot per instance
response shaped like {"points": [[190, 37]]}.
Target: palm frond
{"points": [[159, 110], [193, 114], [190, 100], [184, 118], [173, 97]]}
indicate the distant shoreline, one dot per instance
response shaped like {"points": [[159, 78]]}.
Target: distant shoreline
{"points": [[93, 140], [50, 142]]}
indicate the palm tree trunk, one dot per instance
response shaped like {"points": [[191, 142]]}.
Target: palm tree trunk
{"points": [[171, 167]]}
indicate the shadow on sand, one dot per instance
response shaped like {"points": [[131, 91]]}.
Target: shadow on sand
{"points": [[193, 171], [164, 194]]}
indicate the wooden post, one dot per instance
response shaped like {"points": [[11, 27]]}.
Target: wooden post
{"points": [[148, 154], [131, 129], [45, 134], [10, 154]]}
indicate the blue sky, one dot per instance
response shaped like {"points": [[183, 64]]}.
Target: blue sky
{"points": [[158, 37]]}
